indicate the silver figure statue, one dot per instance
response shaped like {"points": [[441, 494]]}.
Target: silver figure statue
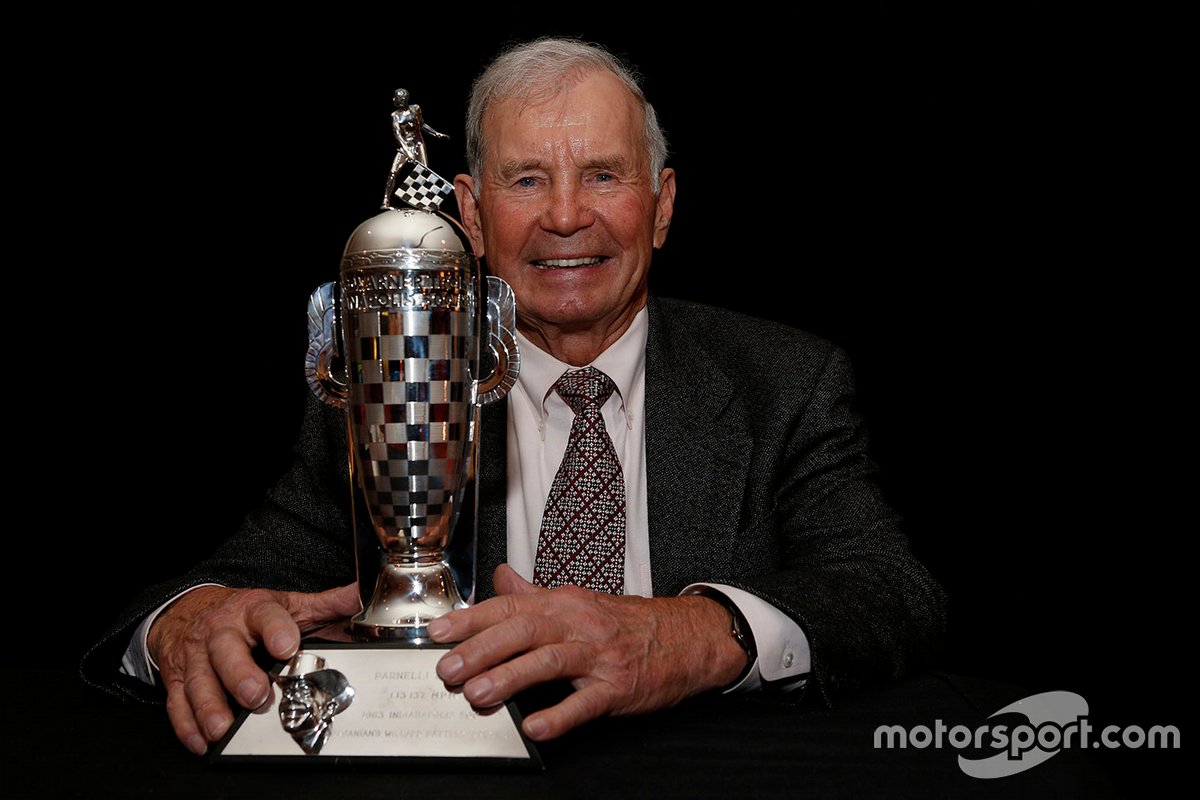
{"points": [[312, 697], [409, 128], [399, 343]]}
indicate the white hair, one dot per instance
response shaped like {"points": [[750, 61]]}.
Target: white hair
{"points": [[538, 70]]}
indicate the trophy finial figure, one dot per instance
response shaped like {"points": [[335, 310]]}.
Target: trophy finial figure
{"points": [[409, 128]]}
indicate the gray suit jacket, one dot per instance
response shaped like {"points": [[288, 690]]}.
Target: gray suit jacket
{"points": [[757, 477]]}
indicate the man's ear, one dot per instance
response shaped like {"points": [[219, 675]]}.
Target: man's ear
{"points": [[468, 208], [666, 206]]}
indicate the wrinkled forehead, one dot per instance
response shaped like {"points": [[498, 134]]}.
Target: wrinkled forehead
{"points": [[533, 87], [582, 97]]}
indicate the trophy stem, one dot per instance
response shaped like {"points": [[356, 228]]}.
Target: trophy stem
{"points": [[412, 590]]}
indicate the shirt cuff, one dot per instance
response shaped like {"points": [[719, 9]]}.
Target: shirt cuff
{"points": [[137, 661], [784, 658]]}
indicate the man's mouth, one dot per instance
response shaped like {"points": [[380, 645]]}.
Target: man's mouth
{"points": [[567, 263]]}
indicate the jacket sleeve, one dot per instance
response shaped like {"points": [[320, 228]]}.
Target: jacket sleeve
{"points": [[298, 539], [841, 565]]}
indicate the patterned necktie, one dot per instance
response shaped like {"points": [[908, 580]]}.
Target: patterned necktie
{"points": [[582, 541]]}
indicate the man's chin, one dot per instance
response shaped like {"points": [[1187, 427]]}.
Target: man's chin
{"points": [[576, 314]]}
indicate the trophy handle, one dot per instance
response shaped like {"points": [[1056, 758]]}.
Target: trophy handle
{"points": [[322, 363], [501, 323]]}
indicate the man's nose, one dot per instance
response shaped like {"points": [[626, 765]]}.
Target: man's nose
{"points": [[568, 209]]}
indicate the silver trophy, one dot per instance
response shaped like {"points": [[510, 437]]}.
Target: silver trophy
{"points": [[399, 341], [410, 341]]}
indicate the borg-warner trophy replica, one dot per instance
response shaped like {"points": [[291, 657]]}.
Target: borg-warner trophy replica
{"points": [[405, 320], [401, 342]]}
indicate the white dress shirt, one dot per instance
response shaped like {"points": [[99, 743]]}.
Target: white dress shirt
{"points": [[539, 425]]}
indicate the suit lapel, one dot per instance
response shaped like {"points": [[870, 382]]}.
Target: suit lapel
{"points": [[693, 455]]}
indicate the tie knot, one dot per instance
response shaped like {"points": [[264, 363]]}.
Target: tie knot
{"points": [[583, 388]]}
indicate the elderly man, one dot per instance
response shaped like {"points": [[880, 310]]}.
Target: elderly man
{"points": [[752, 550]]}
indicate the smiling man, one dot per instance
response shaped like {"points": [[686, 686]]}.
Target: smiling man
{"points": [[744, 544], [567, 207]]}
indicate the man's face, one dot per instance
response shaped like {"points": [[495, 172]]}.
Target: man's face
{"points": [[566, 212]]}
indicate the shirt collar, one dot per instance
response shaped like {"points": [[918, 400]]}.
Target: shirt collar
{"points": [[621, 362]]}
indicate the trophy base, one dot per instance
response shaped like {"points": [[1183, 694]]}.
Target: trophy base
{"points": [[408, 596], [402, 717]]}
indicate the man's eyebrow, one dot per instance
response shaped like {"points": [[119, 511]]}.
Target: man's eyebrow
{"points": [[614, 163], [511, 169]]}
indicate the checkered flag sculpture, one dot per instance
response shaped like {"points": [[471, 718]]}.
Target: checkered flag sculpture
{"points": [[423, 188]]}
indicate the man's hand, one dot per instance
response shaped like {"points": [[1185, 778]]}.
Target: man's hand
{"points": [[202, 644], [623, 654]]}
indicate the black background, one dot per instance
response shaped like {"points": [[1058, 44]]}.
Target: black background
{"points": [[969, 203]]}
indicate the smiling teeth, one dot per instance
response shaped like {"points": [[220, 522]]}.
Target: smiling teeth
{"points": [[556, 263]]}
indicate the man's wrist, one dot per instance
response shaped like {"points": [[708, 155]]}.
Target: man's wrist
{"points": [[738, 631], [137, 660], [154, 632]]}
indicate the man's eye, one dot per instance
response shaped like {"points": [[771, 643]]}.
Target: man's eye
{"points": [[604, 177], [526, 182]]}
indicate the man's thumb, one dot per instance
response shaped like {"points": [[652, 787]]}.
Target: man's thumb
{"points": [[507, 581]]}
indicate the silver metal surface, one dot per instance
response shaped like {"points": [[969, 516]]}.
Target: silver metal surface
{"points": [[311, 697], [321, 370], [407, 235], [401, 708], [502, 343], [409, 128], [407, 596], [398, 344]]}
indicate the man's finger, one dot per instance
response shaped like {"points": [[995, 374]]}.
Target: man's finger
{"points": [[492, 644], [314, 610], [265, 619], [583, 705], [179, 711], [234, 665], [205, 696], [557, 661], [507, 581], [465, 623], [275, 619]]}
